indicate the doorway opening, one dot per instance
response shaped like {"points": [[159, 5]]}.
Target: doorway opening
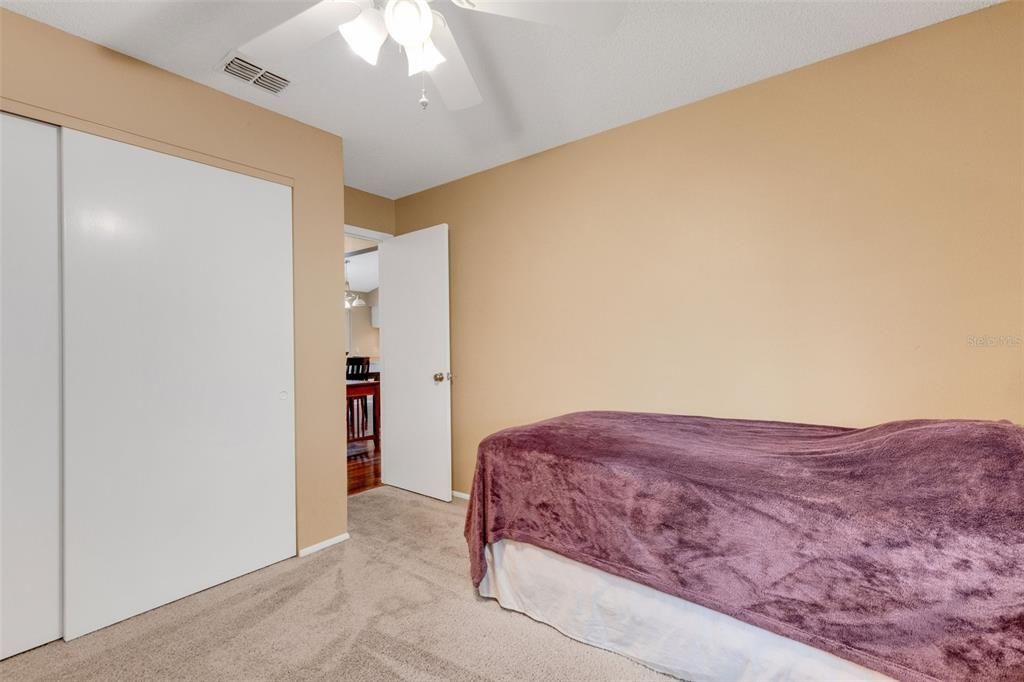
{"points": [[398, 391], [363, 358]]}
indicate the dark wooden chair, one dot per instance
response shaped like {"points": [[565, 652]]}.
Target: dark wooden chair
{"points": [[358, 413], [357, 369]]}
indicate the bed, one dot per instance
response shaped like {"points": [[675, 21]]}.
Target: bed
{"points": [[716, 549]]}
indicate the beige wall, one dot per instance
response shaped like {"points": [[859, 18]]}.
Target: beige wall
{"points": [[365, 337], [52, 76], [816, 247], [373, 212]]}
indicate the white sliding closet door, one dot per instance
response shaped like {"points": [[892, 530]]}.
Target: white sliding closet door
{"points": [[30, 378], [178, 377]]}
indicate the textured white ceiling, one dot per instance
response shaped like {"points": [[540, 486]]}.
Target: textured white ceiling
{"points": [[542, 86]]}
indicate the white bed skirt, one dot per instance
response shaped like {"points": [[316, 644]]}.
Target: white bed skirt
{"points": [[663, 632]]}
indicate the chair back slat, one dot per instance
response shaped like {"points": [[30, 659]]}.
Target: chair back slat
{"points": [[357, 369]]}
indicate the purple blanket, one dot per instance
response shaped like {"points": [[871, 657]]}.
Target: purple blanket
{"points": [[899, 547]]}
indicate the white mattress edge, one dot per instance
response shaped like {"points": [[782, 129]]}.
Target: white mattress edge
{"points": [[661, 631]]}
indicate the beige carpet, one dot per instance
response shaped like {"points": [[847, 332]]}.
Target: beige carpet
{"points": [[392, 603]]}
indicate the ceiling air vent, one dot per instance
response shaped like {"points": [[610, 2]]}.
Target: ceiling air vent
{"points": [[271, 81], [257, 75], [242, 69]]}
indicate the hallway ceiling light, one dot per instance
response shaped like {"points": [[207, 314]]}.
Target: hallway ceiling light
{"points": [[352, 298]]}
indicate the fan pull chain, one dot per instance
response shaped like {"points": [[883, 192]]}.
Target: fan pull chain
{"points": [[424, 101]]}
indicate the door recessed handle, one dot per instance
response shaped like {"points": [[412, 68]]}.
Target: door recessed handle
{"points": [[438, 377]]}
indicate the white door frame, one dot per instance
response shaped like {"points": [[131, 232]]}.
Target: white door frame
{"points": [[364, 233]]}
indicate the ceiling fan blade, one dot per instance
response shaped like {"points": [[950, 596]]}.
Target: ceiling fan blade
{"points": [[301, 31], [592, 16], [452, 77]]}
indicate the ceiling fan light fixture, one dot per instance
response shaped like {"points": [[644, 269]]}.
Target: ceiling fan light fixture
{"points": [[423, 57], [365, 34], [408, 21]]}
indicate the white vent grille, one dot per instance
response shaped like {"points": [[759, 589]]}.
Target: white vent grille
{"points": [[256, 75], [242, 69], [271, 81]]}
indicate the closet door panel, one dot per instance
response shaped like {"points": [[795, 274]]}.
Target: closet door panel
{"points": [[30, 561], [178, 361]]}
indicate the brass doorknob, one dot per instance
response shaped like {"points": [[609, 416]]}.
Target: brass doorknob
{"points": [[438, 377]]}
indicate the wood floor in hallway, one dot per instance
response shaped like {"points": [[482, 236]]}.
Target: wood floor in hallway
{"points": [[363, 467]]}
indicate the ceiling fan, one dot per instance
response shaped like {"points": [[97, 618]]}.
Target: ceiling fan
{"points": [[422, 32]]}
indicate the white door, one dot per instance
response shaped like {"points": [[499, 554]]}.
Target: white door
{"points": [[416, 393], [30, 559], [178, 376]]}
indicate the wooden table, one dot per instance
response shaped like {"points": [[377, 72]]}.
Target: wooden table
{"points": [[358, 389]]}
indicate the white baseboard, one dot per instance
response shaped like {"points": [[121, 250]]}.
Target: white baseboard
{"points": [[306, 551], [461, 496]]}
